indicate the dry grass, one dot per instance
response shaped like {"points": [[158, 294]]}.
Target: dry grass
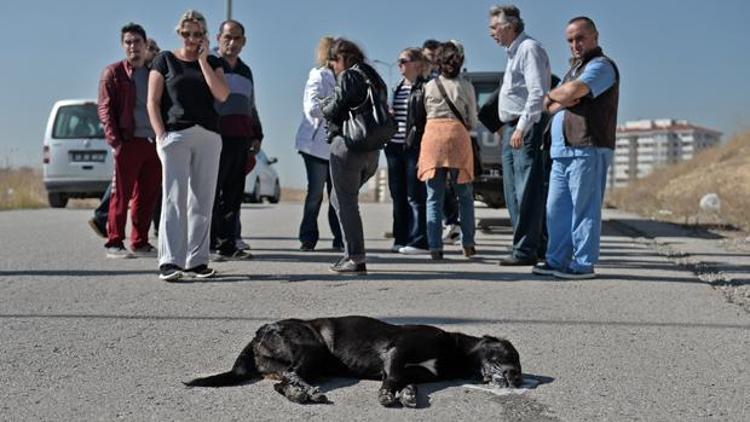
{"points": [[21, 188], [673, 193]]}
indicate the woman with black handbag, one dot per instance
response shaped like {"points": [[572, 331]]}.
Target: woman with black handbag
{"points": [[446, 151], [350, 167]]}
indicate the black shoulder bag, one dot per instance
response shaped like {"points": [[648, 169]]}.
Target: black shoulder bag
{"points": [[475, 148], [370, 125]]}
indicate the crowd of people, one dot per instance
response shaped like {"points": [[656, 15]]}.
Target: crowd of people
{"points": [[184, 124]]}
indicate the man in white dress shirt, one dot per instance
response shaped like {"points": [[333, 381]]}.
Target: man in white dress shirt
{"points": [[525, 82]]}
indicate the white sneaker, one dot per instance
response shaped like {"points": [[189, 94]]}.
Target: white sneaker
{"points": [[411, 250], [118, 252], [451, 233], [396, 248]]}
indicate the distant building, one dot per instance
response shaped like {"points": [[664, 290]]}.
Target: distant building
{"points": [[644, 145]]}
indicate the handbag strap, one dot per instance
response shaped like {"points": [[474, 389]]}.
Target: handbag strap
{"points": [[369, 95], [450, 103]]}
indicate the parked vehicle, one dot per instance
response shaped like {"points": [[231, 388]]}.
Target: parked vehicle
{"points": [[77, 161], [263, 181], [488, 187]]}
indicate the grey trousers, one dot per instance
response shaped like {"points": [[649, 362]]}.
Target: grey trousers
{"points": [[190, 167], [349, 171]]}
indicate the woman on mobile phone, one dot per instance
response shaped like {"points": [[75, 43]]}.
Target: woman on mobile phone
{"points": [[183, 85]]}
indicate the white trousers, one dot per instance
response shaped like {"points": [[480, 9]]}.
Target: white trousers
{"points": [[190, 167]]}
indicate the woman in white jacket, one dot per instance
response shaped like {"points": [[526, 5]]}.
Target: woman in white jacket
{"points": [[311, 142]]}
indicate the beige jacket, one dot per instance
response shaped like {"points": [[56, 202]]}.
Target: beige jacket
{"points": [[460, 91]]}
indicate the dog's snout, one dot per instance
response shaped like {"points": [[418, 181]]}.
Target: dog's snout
{"points": [[513, 377]]}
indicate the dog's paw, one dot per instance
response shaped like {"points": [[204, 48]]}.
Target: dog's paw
{"points": [[292, 392], [387, 398], [408, 396], [317, 397]]}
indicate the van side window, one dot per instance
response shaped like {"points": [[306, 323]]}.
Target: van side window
{"points": [[77, 121]]}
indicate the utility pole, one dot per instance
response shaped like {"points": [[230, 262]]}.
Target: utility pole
{"points": [[229, 9]]}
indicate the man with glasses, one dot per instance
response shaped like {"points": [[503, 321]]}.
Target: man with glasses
{"points": [[527, 78], [241, 135], [98, 222], [122, 111]]}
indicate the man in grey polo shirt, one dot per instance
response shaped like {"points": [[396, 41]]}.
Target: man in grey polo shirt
{"points": [[526, 81]]}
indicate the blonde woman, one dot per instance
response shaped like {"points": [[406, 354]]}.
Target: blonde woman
{"points": [[183, 85], [312, 144]]}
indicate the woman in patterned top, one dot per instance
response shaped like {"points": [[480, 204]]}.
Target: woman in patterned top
{"points": [[402, 152]]}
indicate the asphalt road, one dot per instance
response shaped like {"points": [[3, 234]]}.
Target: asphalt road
{"points": [[83, 337]]}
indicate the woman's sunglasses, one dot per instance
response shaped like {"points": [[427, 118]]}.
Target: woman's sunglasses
{"points": [[188, 34]]}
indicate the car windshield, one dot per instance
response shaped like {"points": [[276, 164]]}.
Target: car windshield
{"points": [[77, 121]]}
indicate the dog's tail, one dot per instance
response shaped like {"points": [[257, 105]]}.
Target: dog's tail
{"points": [[243, 371]]}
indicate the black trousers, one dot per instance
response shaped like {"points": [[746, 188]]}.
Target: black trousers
{"points": [[230, 187]]}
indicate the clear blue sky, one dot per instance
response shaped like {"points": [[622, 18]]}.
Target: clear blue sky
{"points": [[684, 59]]}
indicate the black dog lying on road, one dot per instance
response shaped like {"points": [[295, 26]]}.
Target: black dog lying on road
{"points": [[297, 352]]}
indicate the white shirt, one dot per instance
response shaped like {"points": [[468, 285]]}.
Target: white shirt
{"points": [[527, 78], [311, 134]]}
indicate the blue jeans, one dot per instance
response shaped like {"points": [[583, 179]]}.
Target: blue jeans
{"points": [[574, 210], [318, 177], [523, 184], [409, 196], [435, 196]]}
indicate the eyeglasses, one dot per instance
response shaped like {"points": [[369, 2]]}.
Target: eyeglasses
{"points": [[188, 34], [402, 62]]}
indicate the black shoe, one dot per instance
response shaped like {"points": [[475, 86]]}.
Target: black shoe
{"points": [[98, 227], [170, 272], [200, 271], [307, 247], [436, 255], [543, 269], [237, 255], [347, 266], [513, 261]]}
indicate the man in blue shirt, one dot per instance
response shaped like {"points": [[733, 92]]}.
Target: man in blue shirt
{"points": [[582, 144]]}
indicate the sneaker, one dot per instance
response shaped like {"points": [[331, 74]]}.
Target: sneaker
{"points": [[170, 272], [237, 255], [470, 251], [200, 271], [347, 266], [451, 233], [307, 247], [119, 252], [570, 274], [436, 255], [396, 248], [543, 269], [241, 245], [411, 250], [145, 251], [98, 227]]}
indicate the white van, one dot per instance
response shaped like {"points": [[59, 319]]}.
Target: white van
{"points": [[77, 160]]}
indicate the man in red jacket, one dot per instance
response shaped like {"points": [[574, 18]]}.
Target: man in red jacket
{"points": [[137, 172]]}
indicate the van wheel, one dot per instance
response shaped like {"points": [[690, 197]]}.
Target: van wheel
{"points": [[255, 196], [276, 194], [57, 199]]}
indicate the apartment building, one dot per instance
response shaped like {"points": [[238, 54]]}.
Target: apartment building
{"points": [[644, 145]]}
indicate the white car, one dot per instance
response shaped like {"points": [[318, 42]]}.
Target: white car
{"points": [[77, 160], [263, 181]]}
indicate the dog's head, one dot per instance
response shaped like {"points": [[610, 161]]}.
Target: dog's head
{"points": [[499, 362]]}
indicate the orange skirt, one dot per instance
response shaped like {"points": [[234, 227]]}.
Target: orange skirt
{"points": [[445, 144]]}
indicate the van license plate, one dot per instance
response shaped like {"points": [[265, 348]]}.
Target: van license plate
{"points": [[88, 156]]}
